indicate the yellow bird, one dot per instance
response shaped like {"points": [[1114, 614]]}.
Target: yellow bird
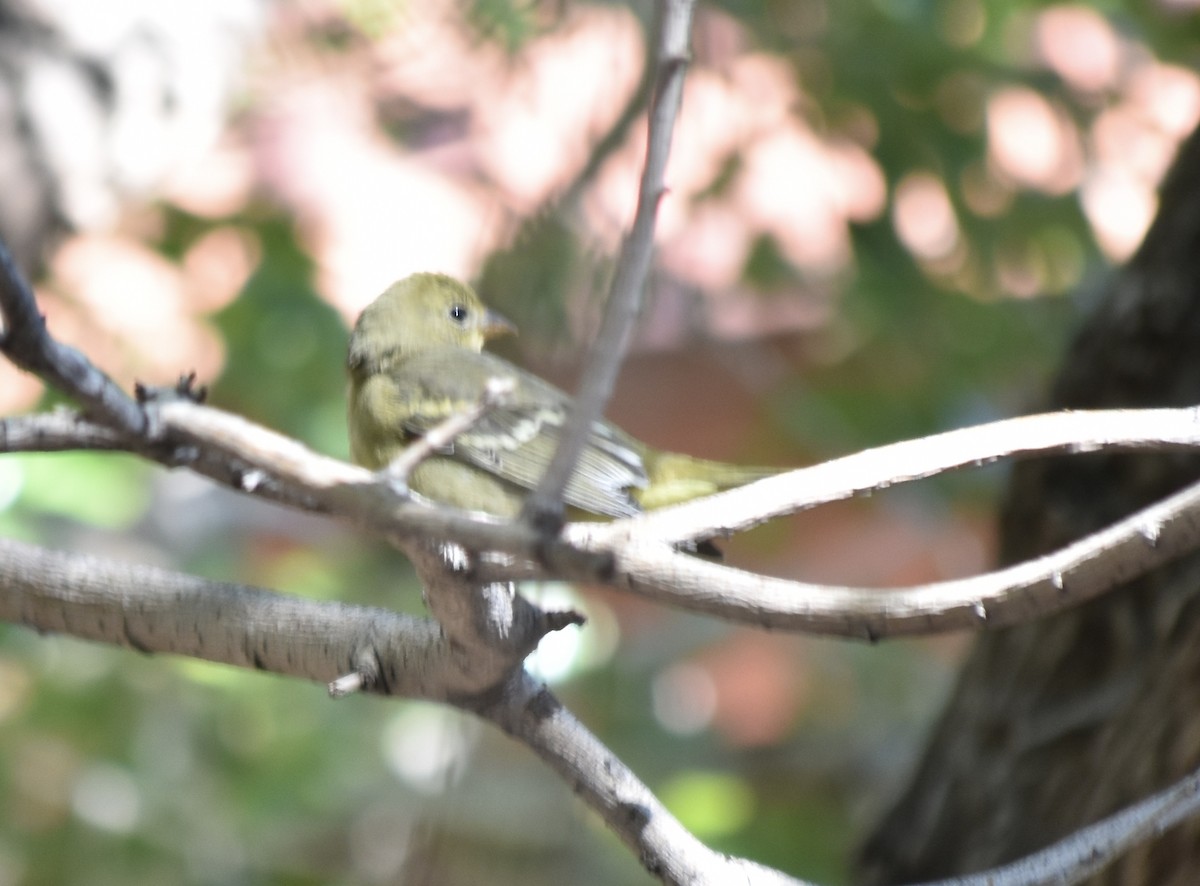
{"points": [[416, 357]]}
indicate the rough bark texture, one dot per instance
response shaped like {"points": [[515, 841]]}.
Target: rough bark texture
{"points": [[1056, 724]]}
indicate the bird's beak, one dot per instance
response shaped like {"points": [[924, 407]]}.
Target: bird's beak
{"points": [[497, 324]]}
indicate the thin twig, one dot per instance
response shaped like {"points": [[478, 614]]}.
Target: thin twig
{"points": [[544, 508], [27, 343], [529, 712], [496, 392], [1085, 569], [1093, 848], [347, 684], [871, 470]]}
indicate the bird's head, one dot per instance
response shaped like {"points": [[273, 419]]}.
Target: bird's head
{"points": [[418, 313]]}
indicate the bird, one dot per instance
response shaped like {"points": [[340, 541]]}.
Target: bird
{"points": [[416, 357]]}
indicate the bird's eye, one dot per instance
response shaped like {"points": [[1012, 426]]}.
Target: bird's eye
{"points": [[458, 314]]}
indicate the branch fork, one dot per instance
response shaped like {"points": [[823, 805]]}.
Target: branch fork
{"points": [[471, 653]]}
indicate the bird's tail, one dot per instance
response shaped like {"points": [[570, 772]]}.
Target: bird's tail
{"points": [[676, 478]]}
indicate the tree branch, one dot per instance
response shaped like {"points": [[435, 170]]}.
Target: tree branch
{"points": [[871, 470], [1090, 850], [61, 430], [159, 611], [248, 458], [155, 610], [544, 507], [26, 342], [531, 714], [143, 608], [629, 554], [471, 655], [1028, 590]]}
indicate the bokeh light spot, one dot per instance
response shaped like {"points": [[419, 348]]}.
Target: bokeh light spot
{"points": [[1032, 141], [923, 216], [1079, 45], [106, 797], [684, 698], [709, 804], [426, 746]]}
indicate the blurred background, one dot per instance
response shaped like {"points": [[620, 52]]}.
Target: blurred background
{"points": [[884, 218]]}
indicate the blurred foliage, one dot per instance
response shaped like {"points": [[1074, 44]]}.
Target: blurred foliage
{"points": [[282, 335], [508, 24], [116, 768]]}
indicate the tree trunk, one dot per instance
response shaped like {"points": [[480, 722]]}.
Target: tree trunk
{"points": [[1056, 724]]}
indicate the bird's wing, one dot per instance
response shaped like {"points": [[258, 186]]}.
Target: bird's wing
{"points": [[517, 440]]}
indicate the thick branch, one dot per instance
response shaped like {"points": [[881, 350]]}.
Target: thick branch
{"points": [[544, 507], [491, 628], [155, 610]]}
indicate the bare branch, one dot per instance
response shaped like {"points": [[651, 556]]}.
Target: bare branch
{"points": [[27, 343], [529, 712], [354, 648], [1093, 848], [1078, 572], [483, 632], [155, 610], [347, 684], [159, 611], [248, 458], [544, 508], [873, 469], [62, 430], [252, 459]]}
